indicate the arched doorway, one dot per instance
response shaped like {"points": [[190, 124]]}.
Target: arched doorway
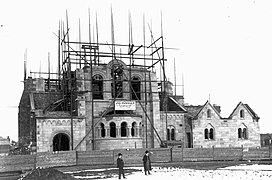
{"points": [[61, 142]]}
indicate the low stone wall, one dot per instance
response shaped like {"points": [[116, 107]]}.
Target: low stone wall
{"points": [[94, 157], [257, 154], [61, 158], [130, 156], [16, 163]]}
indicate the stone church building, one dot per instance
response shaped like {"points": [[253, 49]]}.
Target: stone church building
{"points": [[100, 100], [118, 119]]}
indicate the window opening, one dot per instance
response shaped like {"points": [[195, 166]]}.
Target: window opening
{"points": [[172, 134], [112, 129], [245, 133], [133, 129], [206, 132], [168, 134], [208, 113], [123, 129], [239, 133], [211, 133], [117, 84], [103, 131], [97, 87], [242, 113], [135, 88]]}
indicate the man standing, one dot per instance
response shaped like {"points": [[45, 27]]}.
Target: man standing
{"points": [[147, 163], [120, 166]]}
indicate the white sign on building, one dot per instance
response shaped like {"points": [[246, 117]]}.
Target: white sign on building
{"points": [[125, 105]]}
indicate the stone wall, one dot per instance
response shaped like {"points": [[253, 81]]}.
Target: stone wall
{"points": [[174, 120], [118, 143], [47, 128], [101, 106], [225, 130], [34, 99]]}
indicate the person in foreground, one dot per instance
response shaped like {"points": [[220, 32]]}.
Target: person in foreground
{"points": [[120, 166], [147, 163]]}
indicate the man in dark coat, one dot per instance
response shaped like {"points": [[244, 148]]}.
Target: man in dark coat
{"points": [[120, 166], [147, 163]]}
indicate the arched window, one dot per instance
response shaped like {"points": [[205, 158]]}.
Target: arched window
{"points": [[211, 133], [133, 129], [140, 129], [168, 134], [97, 87], [173, 134], [103, 131], [117, 81], [206, 133], [242, 113], [245, 133], [135, 88], [123, 129], [112, 129], [239, 133], [209, 113]]}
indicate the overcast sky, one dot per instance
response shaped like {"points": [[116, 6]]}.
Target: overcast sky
{"points": [[224, 46]]}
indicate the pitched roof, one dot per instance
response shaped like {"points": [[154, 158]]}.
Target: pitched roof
{"points": [[254, 115], [172, 105], [193, 110], [202, 107], [251, 112]]}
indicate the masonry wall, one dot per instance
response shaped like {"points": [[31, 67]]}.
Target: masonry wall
{"points": [[33, 99], [131, 157], [47, 128], [100, 106], [176, 120], [117, 142], [225, 131]]}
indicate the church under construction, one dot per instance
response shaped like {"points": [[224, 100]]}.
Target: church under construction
{"points": [[100, 99]]}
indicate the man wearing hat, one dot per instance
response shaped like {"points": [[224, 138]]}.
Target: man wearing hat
{"points": [[147, 163], [120, 166]]}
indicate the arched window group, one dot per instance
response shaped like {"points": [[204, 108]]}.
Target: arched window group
{"points": [[242, 133], [117, 73], [171, 133], [123, 131], [209, 133]]}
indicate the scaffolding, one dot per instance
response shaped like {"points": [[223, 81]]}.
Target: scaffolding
{"points": [[77, 54]]}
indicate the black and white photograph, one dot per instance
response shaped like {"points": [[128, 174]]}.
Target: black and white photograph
{"points": [[126, 89]]}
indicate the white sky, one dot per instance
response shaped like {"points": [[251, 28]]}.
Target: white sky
{"points": [[224, 46]]}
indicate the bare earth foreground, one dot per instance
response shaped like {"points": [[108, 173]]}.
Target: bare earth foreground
{"points": [[190, 171]]}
